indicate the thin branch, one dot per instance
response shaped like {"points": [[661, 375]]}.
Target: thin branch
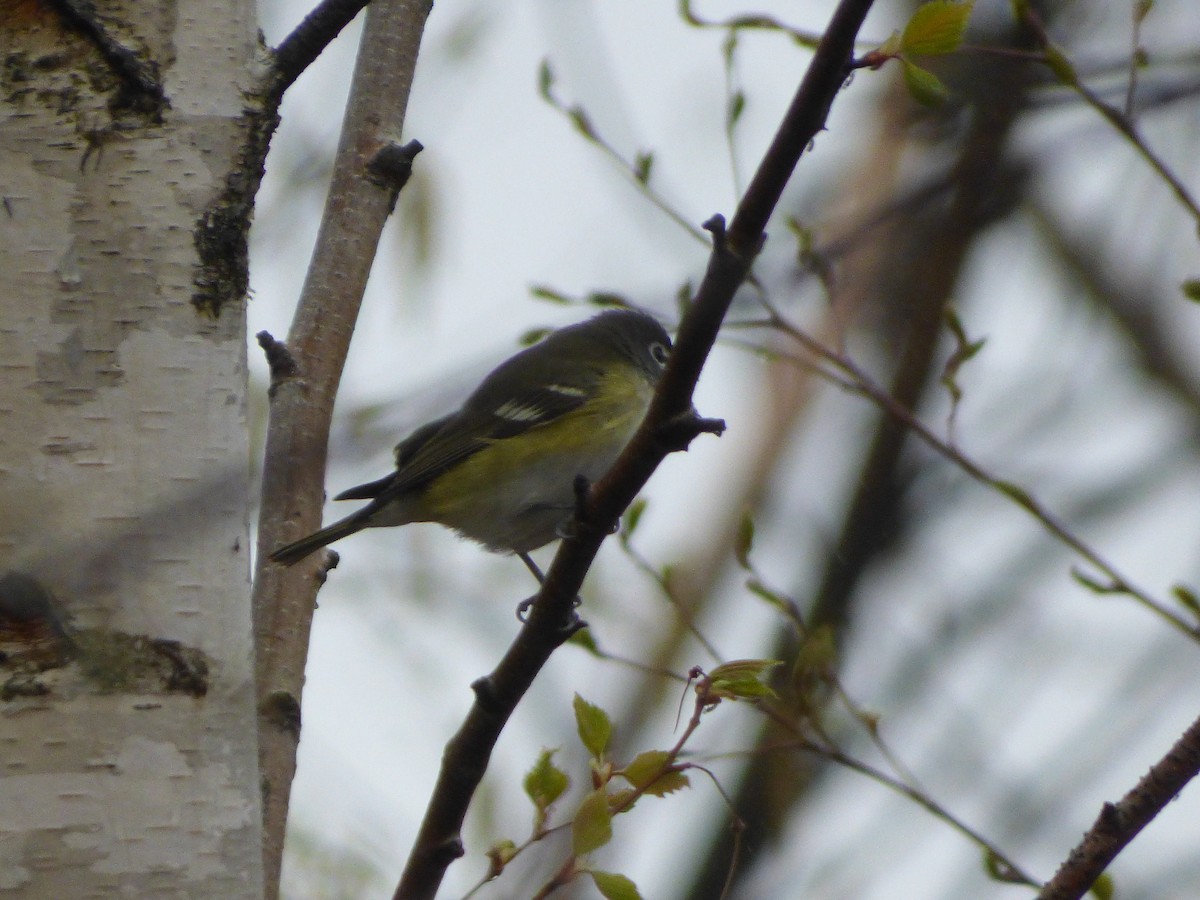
{"points": [[1120, 823], [1057, 62], [358, 205], [862, 383], [552, 617], [299, 50]]}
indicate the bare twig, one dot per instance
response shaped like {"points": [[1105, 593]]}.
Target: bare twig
{"points": [[299, 49], [861, 382], [1119, 823], [302, 404], [1053, 57], [552, 616]]}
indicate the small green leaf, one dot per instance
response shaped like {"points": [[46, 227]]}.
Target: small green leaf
{"points": [[1061, 66], [1187, 598], [545, 80], [774, 598], [925, 87], [501, 854], [737, 106], [545, 292], [581, 122], [742, 679], [1093, 584], [614, 887], [594, 726], [1103, 887], [744, 541], [642, 165], [1191, 289], [585, 640], [532, 336], [592, 827], [633, 516], [645, 767], [892, 46], [608, 299], [667, 783], [652, 773], [1014, 492], [545, 782], [936, 28]]}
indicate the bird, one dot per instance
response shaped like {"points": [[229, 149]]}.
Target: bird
{"points": [[502, 469]]}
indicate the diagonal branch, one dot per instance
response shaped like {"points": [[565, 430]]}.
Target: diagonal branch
{"points": [[669, 425], [300, 49], [1120, 822]]}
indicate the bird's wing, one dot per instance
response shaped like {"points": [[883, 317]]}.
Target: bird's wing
{"points": [[435, 448]]}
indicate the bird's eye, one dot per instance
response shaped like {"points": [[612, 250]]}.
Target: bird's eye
{"points": [[659, 353]]}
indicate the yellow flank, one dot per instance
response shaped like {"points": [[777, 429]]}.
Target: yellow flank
{"points": [[503, 480]]}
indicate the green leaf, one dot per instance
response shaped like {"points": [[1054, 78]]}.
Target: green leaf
{"points": [[545, 80], [533, 335], [608, 299], [545, 782], [1062, 68], [737, 106], [633, 516], [545, 292], [652, 773], [925, 87], [1014, 492], [936, 28], [594, 726], [592, 828], [584, 639], [774, 598], [614, 887], [1191, 289], [501, 854], [744, 541], [742, 679], [1103, 888], [892, 46], [582, 123], [667, 783], [645, 767], [642, 165], [1093, 584], [1187, 598]]}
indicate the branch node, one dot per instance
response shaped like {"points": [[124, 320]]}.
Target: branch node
{"points": [[715, 225], [1110, 818], [391, 166], [677, 432], [281, 710], [447, 851], [485, 691], [279, 359]]}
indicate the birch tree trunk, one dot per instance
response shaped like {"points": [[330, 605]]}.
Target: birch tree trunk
{"points": [[127, 728]]}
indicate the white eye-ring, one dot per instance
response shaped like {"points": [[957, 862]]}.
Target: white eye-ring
{"points": [[658, 353]]}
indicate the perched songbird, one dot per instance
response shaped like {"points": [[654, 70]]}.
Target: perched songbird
{"points": [[502, 469]]}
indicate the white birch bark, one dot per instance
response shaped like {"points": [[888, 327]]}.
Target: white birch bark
{"points": [[130, 770]]}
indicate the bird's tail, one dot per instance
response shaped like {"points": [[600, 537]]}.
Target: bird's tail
{"points": [[292, 553]]}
